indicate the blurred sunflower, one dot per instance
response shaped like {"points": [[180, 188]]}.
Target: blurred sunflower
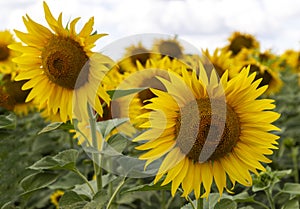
{"points": [[269, 77], [291, 58], [219, 60], [167, 47], [133, 54], [55, 197], [52, 62], [13, 97], [6, 55], [203, 136], [238, 41]]}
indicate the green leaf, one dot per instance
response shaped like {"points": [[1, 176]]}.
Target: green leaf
{"points": [[226, 203], [71, 200], [243, 197], [291, 204], [67, 181], [118, 142], [291, 188], [115, 94], [37, 181], [189, 206], [8, 121], [84, 189], [99, 200], [50, 127], [64, 160], [149, 187], [105, 127]]}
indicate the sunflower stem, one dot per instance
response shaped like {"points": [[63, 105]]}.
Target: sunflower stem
{"points": [[261, 204], [191, 202], [115, 193], [200, 200], [75, 170], [295, 162], [96, 157], [163, 200], [269, 197]]}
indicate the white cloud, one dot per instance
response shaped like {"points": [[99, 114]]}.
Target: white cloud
{"points": [[204, 23]]}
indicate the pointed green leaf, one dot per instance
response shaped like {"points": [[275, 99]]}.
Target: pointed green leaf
{"points": [[71, 200], [8, 121], [118, 142], [37, 181], [64, 160], [291, 188], [115, 94], [243, 197], [50, 127], [105, 127], [291, 204], [226, 203], [99, 200], [149, 187]]}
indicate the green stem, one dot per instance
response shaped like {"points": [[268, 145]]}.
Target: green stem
{"points": [[295, 163], [269, 197], [261, 204], [115, 193], [200, 200], [200, 203], [163, 200], [188, 199], [191, 202], [84, 179], [96, 157]]}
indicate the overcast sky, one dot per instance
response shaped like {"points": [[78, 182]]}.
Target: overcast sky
{"points": [[202, 23]]}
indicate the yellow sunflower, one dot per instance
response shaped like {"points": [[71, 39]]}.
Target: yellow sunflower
{"points": [[291, 58], [54, 198], [207, 130], [269, 77], [60, 66], [238, 41], [167, 47], [145, 77], [6, 55], [219, 60], [133, 54], [13, 97]]}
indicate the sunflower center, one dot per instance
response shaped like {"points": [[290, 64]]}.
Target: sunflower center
{"points": [[4, 52], [266, 76], [64, 61], [139, 54], [240, 42], [170, 48], [13, 88], [205, 133]]}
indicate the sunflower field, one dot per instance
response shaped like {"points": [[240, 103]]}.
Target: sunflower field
{"points": [[164, 125]]}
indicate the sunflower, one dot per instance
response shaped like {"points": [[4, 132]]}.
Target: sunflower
{"points": [[206, 130], [238, 41], [133, 54], [6, 55], [219, 60], [13, 97], [291, 58], [54, 198], [145, 77], [269, 77], [167, 47], [52, 61]]}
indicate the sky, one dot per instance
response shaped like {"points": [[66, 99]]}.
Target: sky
{"points": [[201, 23]]}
